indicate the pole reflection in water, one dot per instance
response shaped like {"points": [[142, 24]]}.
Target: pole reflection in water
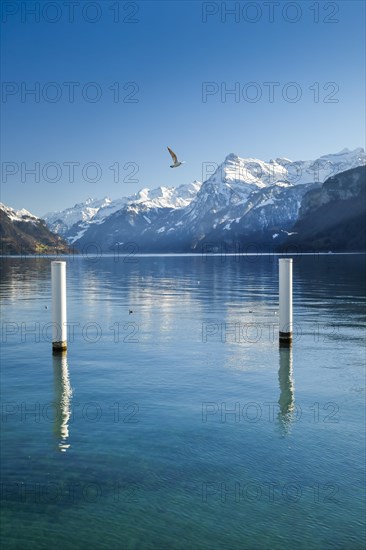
{"points": [[287, 389], [63, 395]]}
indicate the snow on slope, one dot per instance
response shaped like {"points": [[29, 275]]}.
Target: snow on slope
{"points": [[166, 197], [18, 215], [96, 211], [257, 173], [81, 212]]}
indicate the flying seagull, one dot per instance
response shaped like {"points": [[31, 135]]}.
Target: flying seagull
{"points": [[289, 233], [175, 160]]}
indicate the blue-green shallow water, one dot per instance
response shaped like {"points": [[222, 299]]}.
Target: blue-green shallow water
{"points": [[128, 445]]}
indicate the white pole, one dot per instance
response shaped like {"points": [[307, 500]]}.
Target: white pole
{"points": [[285, 298], [59, 328]]}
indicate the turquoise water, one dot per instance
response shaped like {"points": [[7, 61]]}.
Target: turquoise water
{"points": [[181, 424]]}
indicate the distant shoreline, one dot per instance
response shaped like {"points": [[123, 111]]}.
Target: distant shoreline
{"points": [[183, 254]]}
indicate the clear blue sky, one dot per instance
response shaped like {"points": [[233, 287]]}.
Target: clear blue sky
{"points": [[169, 52]]}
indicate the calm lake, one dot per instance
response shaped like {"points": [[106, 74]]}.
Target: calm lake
{"points": [[175, 421]]}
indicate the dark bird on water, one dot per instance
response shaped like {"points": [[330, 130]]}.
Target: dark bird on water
{"points": [[130, 311]]}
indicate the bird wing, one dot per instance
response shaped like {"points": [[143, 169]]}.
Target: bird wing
{"points": [[173, 155]]}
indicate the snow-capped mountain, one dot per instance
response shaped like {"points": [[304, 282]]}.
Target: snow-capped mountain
{"points": [[23, 233], [236, 178], [18, 215], [242, 197], [233, 190], [73, 222]]}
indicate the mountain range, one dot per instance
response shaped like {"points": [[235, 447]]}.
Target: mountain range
{"points": [[245, 204]]}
